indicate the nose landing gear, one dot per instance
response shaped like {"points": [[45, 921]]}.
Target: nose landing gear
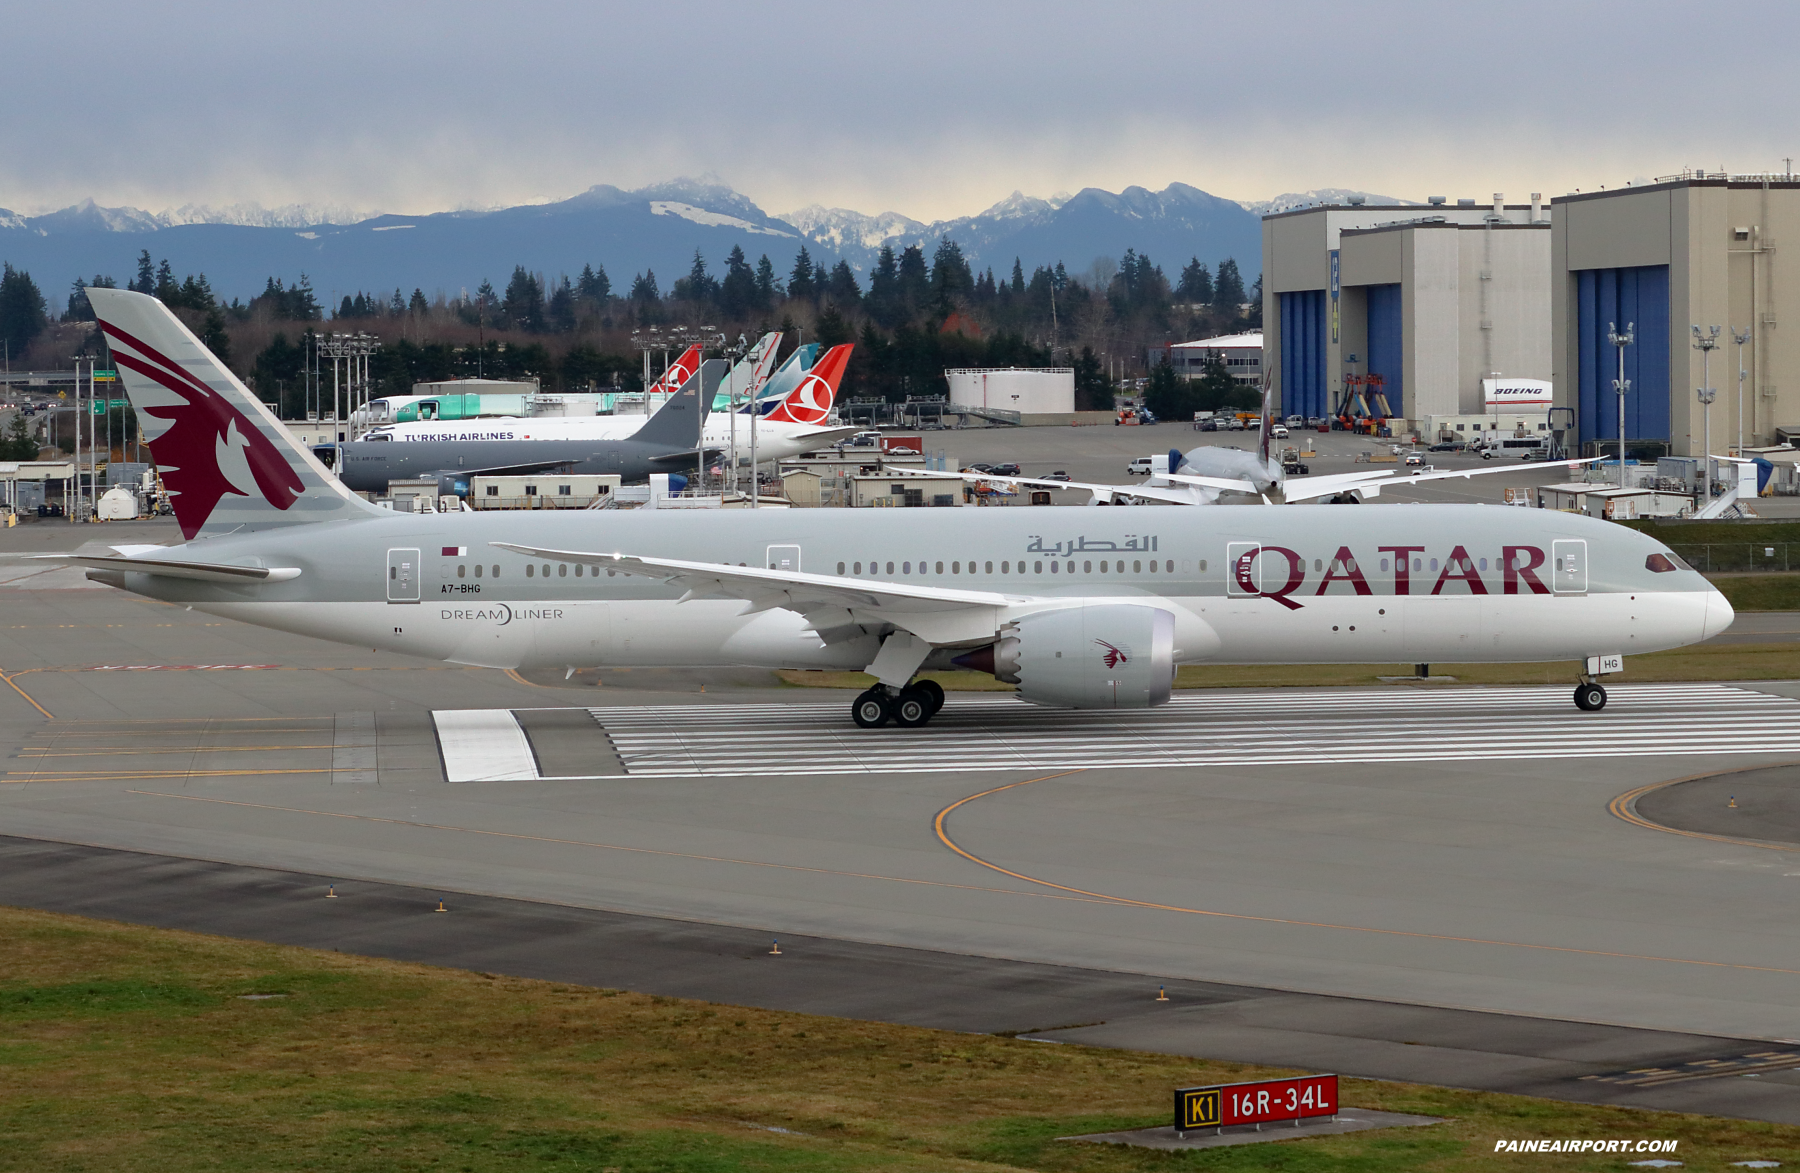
{"points": [[1590, 697]]}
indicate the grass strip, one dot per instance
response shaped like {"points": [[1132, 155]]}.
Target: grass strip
{"points": [[125, 1048]]}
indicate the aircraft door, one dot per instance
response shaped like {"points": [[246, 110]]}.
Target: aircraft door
{"points": [[784, 558], [1571, 566], [1243, 570], [403, 576]]}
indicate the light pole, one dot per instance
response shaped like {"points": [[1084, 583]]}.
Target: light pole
{"points": [[1706, 343], [1621, 385], [1741, 339]]}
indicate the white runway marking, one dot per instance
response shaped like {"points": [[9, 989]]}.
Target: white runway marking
{"points": [[1207, 729], [483, 745]]}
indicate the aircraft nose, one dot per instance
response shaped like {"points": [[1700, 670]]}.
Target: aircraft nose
{"points": [[1718, 615]]}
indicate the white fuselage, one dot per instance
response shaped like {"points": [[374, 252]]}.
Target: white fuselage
{"points": [[775, 440], [1295, 584]]}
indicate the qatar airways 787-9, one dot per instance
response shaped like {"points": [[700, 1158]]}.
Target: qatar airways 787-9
{"points": [[1084, 608]]}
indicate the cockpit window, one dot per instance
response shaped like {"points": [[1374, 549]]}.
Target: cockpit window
{"points": [[1663, 563]]}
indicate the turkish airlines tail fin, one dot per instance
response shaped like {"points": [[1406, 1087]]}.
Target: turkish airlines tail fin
{"points": [[679, 372], [810, 402], [229, 465]]}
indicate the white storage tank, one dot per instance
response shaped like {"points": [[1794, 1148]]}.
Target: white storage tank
{"points": [[1028, 391]]}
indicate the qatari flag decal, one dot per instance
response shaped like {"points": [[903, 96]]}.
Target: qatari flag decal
{"points": [[455, 551]]}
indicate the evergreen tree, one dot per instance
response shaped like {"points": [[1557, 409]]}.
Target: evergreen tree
{"points": [[841, 287], [1216, 390], [831, 329], [397, 306], [884, 289], [275, 375], [594, 284], [1018, 277], [1228, 289], [951, 280], [802, 285], [418, 304], [146, 274], [18, 443], [166, 287], [737, 293], [1196, 286], [915, 281], [1093, 386], [765, 283], [1255, 318], [1166, 395], [698, 285], [23, 314], [561, 310], [80, 310], [212, 333], [643, 288], [524, 305]]}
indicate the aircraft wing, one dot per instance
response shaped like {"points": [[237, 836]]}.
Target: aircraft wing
{"points": [[833, 605], [1173, 496], [1329, 484], [1482, 472], [171, 568]]}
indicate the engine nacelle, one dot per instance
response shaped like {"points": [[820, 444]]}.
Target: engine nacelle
{"points": [[1098, 656]]}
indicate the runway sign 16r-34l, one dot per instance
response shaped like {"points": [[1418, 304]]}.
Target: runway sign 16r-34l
{"points": [[1265, 1102]]}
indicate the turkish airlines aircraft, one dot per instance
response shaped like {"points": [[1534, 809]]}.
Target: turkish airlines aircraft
{"points": [[1080, 609], [797, 423]]}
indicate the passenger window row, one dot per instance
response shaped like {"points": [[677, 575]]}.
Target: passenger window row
{"points": [[1107, 566]]}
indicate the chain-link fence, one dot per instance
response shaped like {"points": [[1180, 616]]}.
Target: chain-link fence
{"points": [[1726, 557]]}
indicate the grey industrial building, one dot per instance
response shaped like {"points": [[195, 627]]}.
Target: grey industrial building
{"points": [[1430, 299], [1665, 256]]}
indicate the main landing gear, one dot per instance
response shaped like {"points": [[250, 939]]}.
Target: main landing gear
{"points": [[910, 708], [1590, 697]]}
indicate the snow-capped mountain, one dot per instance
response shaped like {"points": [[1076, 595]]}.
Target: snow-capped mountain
{"points": [[1289, 201], [240, 246]]}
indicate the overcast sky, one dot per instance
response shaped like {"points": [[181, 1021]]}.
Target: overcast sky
{"points": [[930, 109]]}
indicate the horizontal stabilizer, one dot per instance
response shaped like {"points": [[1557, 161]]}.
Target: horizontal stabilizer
{"points": [[170, 568]]}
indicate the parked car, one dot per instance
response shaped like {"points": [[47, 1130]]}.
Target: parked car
{"points": [[1006, 470], [1208, 425], [1278, 432], [866, 440], [1414, 460], [1234, 424], [982, 468], [1452, 446], [1254, 423], [1295, 421], [1058, 475], [1139, 467], [1146, 417]]}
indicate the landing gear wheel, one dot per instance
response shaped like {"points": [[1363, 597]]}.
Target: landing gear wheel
{"points": [[1590, 698], [872, 709], [912, 709], [932, 691]]}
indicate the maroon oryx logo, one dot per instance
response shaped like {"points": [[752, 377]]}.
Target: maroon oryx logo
{"points": [[1114, 656]]}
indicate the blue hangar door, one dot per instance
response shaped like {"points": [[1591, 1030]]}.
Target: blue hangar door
{"points": [[1303, 326], [1604, 297]]}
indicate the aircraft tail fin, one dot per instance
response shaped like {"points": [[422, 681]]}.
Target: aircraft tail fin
{"points": [[679, 372], [1268, 412], [810, 402], [680, 421], [228, 463]]}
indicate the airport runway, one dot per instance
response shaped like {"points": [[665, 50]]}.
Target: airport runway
{"points": [[1450, 850]]}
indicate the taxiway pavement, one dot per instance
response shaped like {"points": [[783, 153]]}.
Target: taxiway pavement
{"points": [[1380, 910]]}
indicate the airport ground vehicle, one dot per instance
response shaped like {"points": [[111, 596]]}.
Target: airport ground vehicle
{"points": [[1450, 446], [1278, 431], [1097, 615], [1140, 467]]}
